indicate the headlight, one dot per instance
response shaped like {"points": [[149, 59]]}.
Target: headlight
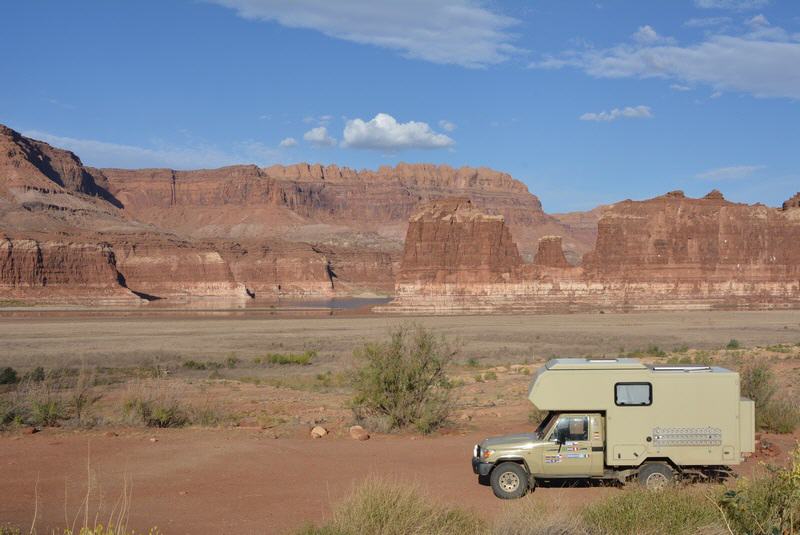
{"points": [[476, 451]]}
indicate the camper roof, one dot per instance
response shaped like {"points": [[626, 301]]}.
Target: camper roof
{"points": [[595, 364]]}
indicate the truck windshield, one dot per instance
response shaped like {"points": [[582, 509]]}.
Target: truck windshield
{"points": [[545, 426]]}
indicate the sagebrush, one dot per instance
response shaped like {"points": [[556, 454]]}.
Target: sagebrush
{"points": [[403, 382]]}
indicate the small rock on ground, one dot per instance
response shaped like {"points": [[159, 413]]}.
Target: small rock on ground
{"points": [[319, 432], [359, 433]]}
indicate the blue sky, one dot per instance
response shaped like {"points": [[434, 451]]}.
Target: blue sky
{"points": [[587, 102]]}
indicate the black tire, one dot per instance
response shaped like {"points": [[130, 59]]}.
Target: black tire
{"points": [[656, 476], [509, 481]]}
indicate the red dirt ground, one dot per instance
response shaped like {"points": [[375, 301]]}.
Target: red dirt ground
{"points": [[238, 480]]}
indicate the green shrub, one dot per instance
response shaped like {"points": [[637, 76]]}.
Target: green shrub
{"points": [[651, 351], [8, 529], [8, 376], [779, 348], [41, 403], [194, 365], [384, 509], [642, 512], [490, 376], [152, 413], [403, 381], [766, 505], [302, 359], [231, 362], [47, 412], [777, 415], [154, 405], [733, 344], [472, 362], [37, 375]]}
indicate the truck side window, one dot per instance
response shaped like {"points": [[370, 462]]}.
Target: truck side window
{"points": [[633, 394], [572, 428]]}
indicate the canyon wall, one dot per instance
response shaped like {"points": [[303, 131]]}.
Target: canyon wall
{"points": [[246, 201], [59, 270], [59, 218], [666, 252], [474, 239]]}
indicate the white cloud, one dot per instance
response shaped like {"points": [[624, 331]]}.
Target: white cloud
{"points": [[322, 120], [288, 142], [707, 22], [716, 94], [446, 125], [459, 32], [646, 35], [679, 87], [383, 132], [319, 137], [736, 5], [106, 154], [734, 172], [762, 62], [629, 112]]}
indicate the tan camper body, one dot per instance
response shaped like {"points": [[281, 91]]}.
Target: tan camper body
{"points": [[688, 415]]}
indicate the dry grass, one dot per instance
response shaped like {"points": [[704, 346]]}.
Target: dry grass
{"points": [[64, 341], [381, 508]]}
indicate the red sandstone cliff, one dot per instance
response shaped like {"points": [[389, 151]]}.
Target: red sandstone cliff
{"points": [[450, 241], [667, 252], [59, 270], [59, 220], [247, 201], [675, 238]]}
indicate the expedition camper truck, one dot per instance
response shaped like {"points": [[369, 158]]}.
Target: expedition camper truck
{"points": [[620, 418]]}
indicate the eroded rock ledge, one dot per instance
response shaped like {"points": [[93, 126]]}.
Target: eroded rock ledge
{"points": [[670, 252]]}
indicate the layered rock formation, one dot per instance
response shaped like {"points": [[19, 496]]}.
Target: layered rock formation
{"points": [[450, 241], [67, 238], [793, 202], [550, 253], [59, 269], [666, 252], [242, 202], [282, 231]]}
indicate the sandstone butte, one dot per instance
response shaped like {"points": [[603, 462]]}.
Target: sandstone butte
{"points": [[667, 252], [69, 232], [474, 239]]}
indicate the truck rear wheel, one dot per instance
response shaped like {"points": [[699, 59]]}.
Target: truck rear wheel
{"points": [[656, 476], [509, 481]]}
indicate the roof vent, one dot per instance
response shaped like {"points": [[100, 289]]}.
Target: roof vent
{"points": [[681, 368]]}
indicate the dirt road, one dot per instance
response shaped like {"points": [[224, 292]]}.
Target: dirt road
{"points": [[231, 481]]}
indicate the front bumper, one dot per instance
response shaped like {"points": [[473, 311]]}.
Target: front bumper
{"points": [[481, 468]]}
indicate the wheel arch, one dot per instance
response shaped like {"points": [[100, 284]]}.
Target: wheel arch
{"points": [[513, 459], [663, 460]]}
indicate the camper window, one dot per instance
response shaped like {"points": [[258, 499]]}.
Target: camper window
{"points": [[637, 394]]}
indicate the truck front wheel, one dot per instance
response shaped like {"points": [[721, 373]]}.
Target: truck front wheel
{"points": [[509, 481], [656, 476]]}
